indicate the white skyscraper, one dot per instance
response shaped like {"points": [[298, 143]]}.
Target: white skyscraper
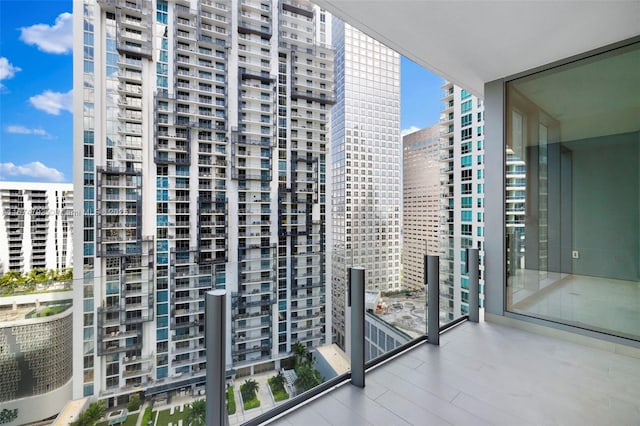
{"points": [[203, 132], [462, 124], [366, 162]]}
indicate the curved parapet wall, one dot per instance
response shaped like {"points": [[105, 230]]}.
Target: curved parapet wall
{"points": [[35, 408], [35, 366]]}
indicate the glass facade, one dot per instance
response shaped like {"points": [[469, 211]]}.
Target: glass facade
{"points": [[204, 166], [572, 175], [366, 156]]}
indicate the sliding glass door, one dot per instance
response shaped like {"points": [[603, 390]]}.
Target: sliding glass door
{"points": [[572, 196]]}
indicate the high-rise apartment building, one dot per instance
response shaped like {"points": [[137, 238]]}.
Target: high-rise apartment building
{"points": [[203, 131], [36, 226], [421, 205], [366, 158], [462, 127]]}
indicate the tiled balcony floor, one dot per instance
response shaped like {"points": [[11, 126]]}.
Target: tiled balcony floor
{"points": [[488, 374]]}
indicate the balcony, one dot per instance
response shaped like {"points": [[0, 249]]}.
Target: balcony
{"points": [[245, 27], [299, 8], [487, 373]]}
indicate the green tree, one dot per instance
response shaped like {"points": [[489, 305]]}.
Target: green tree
{"points": [[299, 354], [96, 410], [83, 420], [197, 415], [134, 402], [249, 389], [91, 415], [11, 280], [278, 380], [308, 377], [37, 276], [277, 383], [65, 275]]}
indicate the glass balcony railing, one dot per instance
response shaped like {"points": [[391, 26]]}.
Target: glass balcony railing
{"points": [[306, 360], [144, 325]]}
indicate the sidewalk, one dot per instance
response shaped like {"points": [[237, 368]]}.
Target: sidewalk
{"points": [[143, 407]]}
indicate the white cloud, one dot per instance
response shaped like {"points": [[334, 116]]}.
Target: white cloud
{"points": [[411, 129], [56, 38], [53, 102], [7, 70], [21, 130], [33, 170]]}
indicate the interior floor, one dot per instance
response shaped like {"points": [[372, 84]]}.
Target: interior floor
{"points": [[601, 304]]}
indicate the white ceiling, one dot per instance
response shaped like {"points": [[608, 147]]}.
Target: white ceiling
{"points": [[473, 42]]}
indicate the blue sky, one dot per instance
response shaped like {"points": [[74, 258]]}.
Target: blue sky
{"points": [[35, 84], [420, 95], [35, 91]]}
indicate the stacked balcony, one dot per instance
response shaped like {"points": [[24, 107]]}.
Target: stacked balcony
{"points": [[306, 78], [12, 208], [134, 28], [189, 281], [447, 196], [119, 200], [251, 168], [120, 317], [212, 229], [39, 227], [254, 18], [252, 337]]}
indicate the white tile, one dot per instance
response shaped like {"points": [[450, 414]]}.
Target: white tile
{"points": [[489, 374], [410, 412]]}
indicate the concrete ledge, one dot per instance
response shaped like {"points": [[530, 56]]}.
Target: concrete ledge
{"points": [[38, 407], [580, 339]]}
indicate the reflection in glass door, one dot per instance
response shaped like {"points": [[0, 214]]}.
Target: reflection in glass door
{"points": [[572, 200]]}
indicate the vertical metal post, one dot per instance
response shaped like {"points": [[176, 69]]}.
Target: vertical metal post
{"points": [[473, 270], [432, 277], [356, 292], [215, 344]]}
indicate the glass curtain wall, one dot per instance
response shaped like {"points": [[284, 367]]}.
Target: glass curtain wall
{"points": [[573, 193]]}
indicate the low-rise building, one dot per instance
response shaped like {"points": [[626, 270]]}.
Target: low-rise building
{"points": [[35, 355]]}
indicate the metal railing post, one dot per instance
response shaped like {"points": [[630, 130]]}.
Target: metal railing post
{"points": [[473, 270], [356, 296], [215, 344], [432, 282]]}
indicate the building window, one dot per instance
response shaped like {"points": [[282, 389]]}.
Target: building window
{"points": [[465, 148]]}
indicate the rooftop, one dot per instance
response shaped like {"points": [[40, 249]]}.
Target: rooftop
{"points": [[335, 357], [24, 312], [405, 313]]}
